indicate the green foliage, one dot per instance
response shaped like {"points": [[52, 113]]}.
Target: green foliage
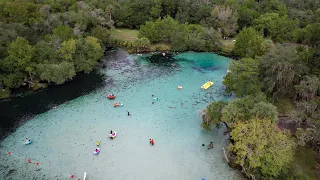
{"points": [[273, 25], [160, 30], [143, 43], [20, 54], [181, 36], [68, 48], [63, 32], [249, 43], [56, 73], [264, 110], [103, 34], [281, 69], [212, 114], [259, 148], [246, 16], [45, 52], [311, 34], [20, 11], [4, 93], [243, 78], [241, 108], [88, 53]]}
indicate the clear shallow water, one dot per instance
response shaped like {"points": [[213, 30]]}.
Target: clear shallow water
{"points": [[64, 138]]}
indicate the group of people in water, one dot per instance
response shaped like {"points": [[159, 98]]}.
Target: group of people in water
{"points": [[210, 146]]}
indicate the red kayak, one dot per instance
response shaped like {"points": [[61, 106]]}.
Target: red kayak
{"points": [[111, 96]]}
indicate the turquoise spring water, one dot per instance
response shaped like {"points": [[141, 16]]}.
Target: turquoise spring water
{"points": [[64, 138]]}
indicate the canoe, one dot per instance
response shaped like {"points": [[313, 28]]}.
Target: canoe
{"points": [[207, 85]]}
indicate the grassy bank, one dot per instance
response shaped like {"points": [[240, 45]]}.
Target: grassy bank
{"points": [[124, 34]]}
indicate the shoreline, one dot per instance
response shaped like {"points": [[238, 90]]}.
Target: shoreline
{"points": [[24, 89]]}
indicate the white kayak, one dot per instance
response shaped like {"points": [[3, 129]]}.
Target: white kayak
{"points": [[96, 152], [113, 135]]}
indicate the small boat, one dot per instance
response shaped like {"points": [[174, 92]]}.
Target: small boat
{"points": [[228, 70], [111, 96], [207, 85], [117, 104], [113, 135], [28, 142], [84, 175], [96, 152]]}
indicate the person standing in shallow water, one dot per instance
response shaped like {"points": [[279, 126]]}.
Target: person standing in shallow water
{"points": [[128, 113]]}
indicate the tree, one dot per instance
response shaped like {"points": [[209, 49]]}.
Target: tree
{"points": [[102, 34], [308, 88], [225, 19], [88, 52], [212, 114], [243, 78], [241, 108], [249, 43], [63, 32], [246, 16], [56, 73], [68, 48], [110, 10], [311, 34], [265, 110], [281, 69], [160, 30], [258, 146], [212, 39], [20, 54], [141, 43], [279, 28]]}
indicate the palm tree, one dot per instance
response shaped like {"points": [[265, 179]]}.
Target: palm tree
{"points": [[110, 10]]}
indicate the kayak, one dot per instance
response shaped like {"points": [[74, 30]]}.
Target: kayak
{"points": [[207, 85], [96, 152], [110, 96], [113, 135], [117, 104], [28, 142]]}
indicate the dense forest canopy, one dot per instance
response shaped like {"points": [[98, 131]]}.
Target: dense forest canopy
{"points": [[57, 31], [277, 44]]}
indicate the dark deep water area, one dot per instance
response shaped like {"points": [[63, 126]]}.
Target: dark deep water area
{"points": [[25, 105]]}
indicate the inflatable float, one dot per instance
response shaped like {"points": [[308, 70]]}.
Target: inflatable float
{"points": [[111, 96], [179, 87], [113, 135], [28, 142], [207, 85], [117, 104], [96, 151], [98, 143]]}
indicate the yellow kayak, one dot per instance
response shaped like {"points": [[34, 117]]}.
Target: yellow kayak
{"points": [[207, 85]]}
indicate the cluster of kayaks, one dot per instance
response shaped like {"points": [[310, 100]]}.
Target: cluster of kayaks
{"points": [[97, 150]]}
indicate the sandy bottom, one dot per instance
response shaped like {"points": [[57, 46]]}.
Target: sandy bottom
{"points": [[64, 138]]}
